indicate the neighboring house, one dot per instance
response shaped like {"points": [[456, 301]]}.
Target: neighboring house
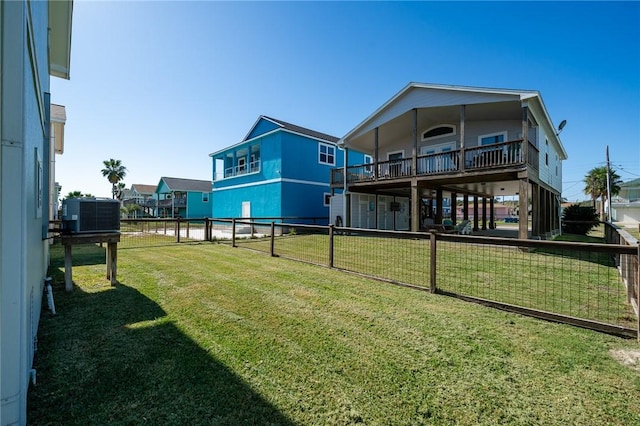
{"points": [[625, 207], [35, 40], [142, 196], [56, 147], [279, 170], [185, 198], [438, 141]]}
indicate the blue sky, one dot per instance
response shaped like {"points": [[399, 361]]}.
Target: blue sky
{"points": [[160, 85]]}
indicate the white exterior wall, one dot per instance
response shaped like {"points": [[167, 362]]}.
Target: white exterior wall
{"points": [[369, 213], [425, 98], [473, 129], [23, 203]]}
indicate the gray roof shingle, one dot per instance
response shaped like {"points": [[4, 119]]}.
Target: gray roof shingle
{"points": [[178, 184], [303, 130]]}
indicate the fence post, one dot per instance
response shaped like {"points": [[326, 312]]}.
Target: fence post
{"points": [[432, 263], [233, 232], [188, 226], [165, 227], [273, 241], [178, 230], [331, 246]]}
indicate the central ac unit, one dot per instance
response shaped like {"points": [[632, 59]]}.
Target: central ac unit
{"points": [[84, 215]]}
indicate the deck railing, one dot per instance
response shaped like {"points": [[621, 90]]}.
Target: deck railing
{"points": [[242, 169], [489, 157]]}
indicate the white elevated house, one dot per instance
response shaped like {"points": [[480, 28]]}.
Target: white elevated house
{"points": [[430, 142], [625, 207]]}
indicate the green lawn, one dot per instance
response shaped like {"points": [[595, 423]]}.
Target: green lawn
{"points": [[208, 334], [567, 282]]}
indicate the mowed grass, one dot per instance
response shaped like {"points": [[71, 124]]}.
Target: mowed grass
{"points": [[212, 335], [567, 282]]}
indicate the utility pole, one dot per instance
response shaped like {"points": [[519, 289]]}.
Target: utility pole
{"points": [[608, 187]]}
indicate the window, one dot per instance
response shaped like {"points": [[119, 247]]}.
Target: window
{"points": [[368, 159], [546, 154], [327, 154], [242, 165], [205, 197], [439, 131], [327, 199], [492, 138]]}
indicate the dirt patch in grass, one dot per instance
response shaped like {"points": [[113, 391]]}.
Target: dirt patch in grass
{"points": [[627, 357]]}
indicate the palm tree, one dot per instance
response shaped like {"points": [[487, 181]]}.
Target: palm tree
{"points": [[119, 190], [596, 186], [78, 194], [114, 171]]}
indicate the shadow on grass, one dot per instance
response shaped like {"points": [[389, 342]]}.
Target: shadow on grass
{"points": [[114, 357], [81, 255]]}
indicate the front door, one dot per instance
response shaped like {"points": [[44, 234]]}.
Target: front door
{"points": [[246, 209], [436, 163]]}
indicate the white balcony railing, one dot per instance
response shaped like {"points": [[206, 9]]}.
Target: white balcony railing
{"points": [[238, 170]]}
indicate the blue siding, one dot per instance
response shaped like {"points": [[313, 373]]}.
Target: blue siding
{"points": [[196, 208], [261, 127], [291, 181], [300, 159], [265, 201], [300, 200], [162, 188]]}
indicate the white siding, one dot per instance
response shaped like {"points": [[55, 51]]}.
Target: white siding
{"points": [[426, 98]]}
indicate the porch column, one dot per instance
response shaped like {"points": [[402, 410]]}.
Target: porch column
{"points": [[475, 213], [375, 154], [535, 210], [415, 206], [484, 213], [454, 208], [523, 207], [462, 118], [439, 208], [492, 218], [550, 205], [414, 149], [465, 207], [555, 213], [525, 132]]}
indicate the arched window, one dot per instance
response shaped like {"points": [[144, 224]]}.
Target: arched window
{"points": [[439, 131]]}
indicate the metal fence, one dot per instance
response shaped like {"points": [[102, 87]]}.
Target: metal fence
{"points": [[589, 285]]}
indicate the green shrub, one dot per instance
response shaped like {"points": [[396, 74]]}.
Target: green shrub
{"points": [[578, 219]]}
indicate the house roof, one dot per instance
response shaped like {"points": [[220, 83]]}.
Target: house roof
{"points": [[60, 18], [58, 119], [299, 129], [283, 125], [406, 100], [631, 184], [178, 184], [143, 189]]}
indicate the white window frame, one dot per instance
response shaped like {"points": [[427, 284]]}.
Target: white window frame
{"points": [[205, 197], [451, 126], [390, 153], [488, 135], [326, 199], [320, 153]]}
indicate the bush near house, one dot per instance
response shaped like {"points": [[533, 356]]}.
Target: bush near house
{"points": [[579, 219]]}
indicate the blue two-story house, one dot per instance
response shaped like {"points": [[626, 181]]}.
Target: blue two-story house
{"points": [[279, 170], [185, 198]]}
